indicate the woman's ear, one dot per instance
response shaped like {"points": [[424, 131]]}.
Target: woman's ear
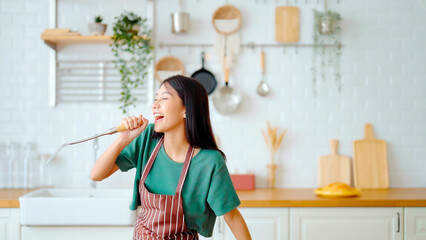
{"points": [[184, 115]]}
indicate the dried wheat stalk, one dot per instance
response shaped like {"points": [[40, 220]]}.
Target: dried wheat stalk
{"points": [[273, 139]]}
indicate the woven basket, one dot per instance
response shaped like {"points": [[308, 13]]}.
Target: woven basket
{"points": [[227, 12], [167, 67]]}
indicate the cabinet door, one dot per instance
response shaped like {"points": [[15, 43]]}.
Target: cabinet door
{"points": [[346, 223], [9, 223], [263, 223], [415, 223], [77, 232]]}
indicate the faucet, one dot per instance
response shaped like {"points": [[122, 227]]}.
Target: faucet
{"points": [[95, 150]]}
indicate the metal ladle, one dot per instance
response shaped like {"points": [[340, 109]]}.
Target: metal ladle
{"points": [[110, 131], [262, 88]]}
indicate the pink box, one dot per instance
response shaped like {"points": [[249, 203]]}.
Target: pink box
{"points": [[243, 181]]}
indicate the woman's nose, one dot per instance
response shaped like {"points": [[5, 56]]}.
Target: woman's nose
{"points": [[154, 105]]}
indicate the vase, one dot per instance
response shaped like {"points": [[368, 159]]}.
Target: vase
{"points": [[271, 175]]}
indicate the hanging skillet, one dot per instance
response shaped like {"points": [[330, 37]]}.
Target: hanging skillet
{"points": [[226, 99], [205, 77]]}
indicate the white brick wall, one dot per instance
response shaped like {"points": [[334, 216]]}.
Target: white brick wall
{"points": [[383, 68]]}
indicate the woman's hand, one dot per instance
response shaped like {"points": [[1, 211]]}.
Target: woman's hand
{"points": [[135, 126]]}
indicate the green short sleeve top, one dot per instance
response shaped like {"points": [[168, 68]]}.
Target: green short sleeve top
{"points": [[207, 192]]}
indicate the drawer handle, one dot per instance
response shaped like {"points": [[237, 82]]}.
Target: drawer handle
{"points": [[398, 222]]}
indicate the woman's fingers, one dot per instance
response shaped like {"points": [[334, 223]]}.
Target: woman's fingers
{"points": [[125, 121], [133, 122]]}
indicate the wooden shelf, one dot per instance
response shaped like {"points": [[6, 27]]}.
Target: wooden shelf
{"points": [[51, 41]]}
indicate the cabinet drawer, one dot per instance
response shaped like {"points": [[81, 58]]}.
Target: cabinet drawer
{"points": [[346, 223]]}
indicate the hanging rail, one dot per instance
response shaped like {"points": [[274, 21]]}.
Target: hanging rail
{"points": [[249, 45]]}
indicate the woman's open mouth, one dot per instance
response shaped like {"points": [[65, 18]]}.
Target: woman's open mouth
{"points": [[158, 117]]}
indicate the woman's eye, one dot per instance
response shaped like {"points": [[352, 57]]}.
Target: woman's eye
{"points": [[164, 98]]}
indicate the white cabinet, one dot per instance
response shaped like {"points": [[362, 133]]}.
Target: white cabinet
{"points": [[76, 232], [415, 223], [9, 223], [346, 223], [263, 223]]}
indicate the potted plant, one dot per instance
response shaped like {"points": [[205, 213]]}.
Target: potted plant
{"points": [[326, 32], [97, 28], [132, 49]]}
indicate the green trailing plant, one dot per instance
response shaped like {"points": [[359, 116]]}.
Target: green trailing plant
{"points": [[326, 32], [132, 49], [98, 19]]}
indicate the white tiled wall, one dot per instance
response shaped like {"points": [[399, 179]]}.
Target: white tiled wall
{"points": [[383, 68]]}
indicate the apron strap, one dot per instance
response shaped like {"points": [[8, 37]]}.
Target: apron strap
{"points": [[185, 168], [151, 159]]}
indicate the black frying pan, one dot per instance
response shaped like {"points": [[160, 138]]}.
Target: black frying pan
{"points": [[205, 77]]}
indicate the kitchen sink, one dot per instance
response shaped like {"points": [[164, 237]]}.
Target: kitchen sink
{"points": [[54, 206]]}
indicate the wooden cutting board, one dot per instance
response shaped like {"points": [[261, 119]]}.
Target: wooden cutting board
{"points": [[287, 24], [370, 162], [334, 168]]}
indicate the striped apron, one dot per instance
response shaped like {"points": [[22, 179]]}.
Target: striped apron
{"points": [[162, 215]]}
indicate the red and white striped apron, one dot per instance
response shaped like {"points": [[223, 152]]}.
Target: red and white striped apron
{"points": [[162, 215]]}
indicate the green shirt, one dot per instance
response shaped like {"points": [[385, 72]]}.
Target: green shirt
{"points": [[207, 192]]}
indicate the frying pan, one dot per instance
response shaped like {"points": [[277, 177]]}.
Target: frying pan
{"points": [[205, 77], [226, 99]]}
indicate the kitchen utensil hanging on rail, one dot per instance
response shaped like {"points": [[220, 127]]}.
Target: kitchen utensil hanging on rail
{"points": [[226, 99], [262, 88], [205, 77], [180, 20], [227, 22], [287, 24]]}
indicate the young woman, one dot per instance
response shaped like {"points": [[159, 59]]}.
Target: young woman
{"points": [[182, 182]]}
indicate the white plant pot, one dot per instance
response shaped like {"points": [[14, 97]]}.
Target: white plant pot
{"points": [[326, 25], [96, 29]]}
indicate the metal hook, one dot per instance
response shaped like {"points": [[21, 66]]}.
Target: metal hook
{"points": [[338, 1], [251, 45], [295, 50], [283, 49]]}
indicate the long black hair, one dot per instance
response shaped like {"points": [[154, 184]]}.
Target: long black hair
{"points": [[194, 97]]}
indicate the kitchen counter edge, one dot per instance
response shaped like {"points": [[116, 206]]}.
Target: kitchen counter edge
{"points": [[292, 197]]}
